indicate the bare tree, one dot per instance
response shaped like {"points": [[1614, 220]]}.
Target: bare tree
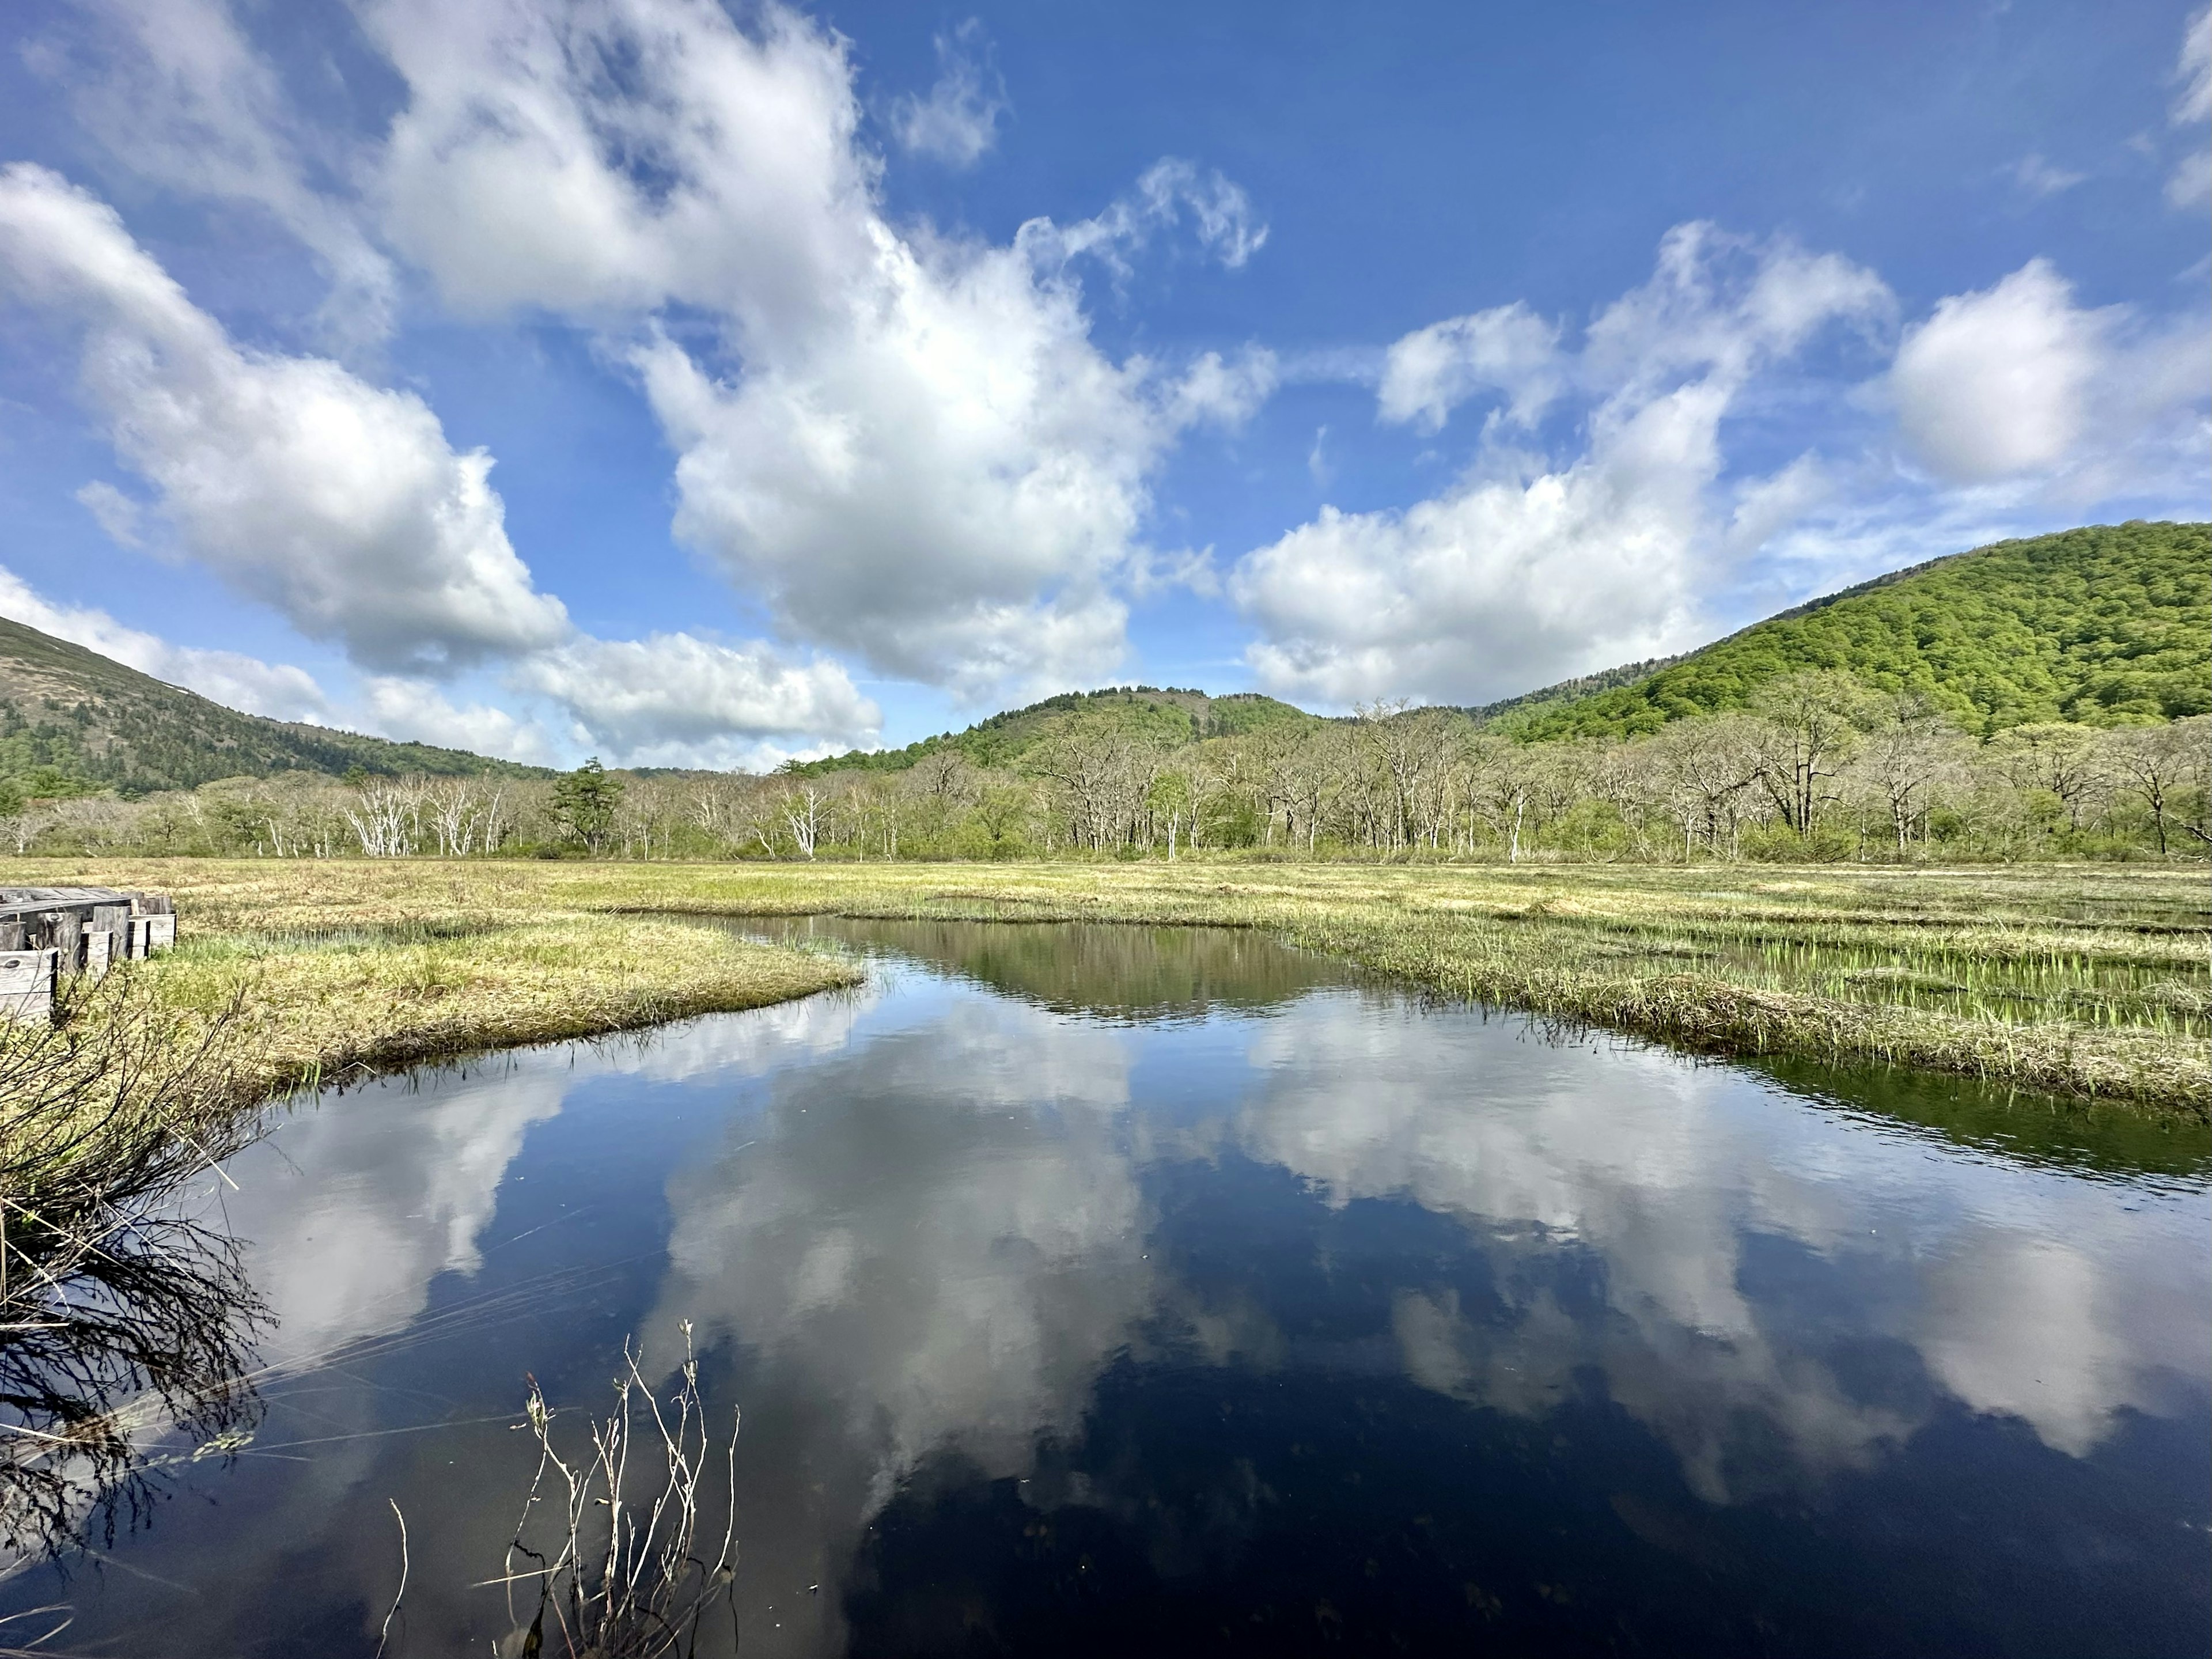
{"points": [[459, 815], [1910, 753], [2061, 759], [387, 817], [1503, 781], [1808, 727], [801, 806], [2160, 763]]}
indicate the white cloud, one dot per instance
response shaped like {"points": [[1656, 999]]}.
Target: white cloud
{"points": [[677, 700], [338, 503], [2017, 383], [718, 170], [1224, 393], [944, 490], [121, 517], [1433, 370], [1153, 571], [2039, 178], [2195, 70], [412, 710], [1221, 217], [230, 678], [1765, 506], [1996, 382], [959, 120], [906, 445], [2190, 184], [1525, 570], [175, 92]]}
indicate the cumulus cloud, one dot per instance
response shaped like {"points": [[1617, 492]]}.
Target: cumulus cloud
{"points": [[958, 121], [719, 169], [2019, 382], [414, 710], [336, 503], [1507, 349], [1995, 382], [176, 94], [906, 445], [1525, 568], [230, 678], [675, 699]]}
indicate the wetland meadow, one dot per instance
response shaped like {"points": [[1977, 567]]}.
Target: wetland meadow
{"points": [[1096, 1260]]}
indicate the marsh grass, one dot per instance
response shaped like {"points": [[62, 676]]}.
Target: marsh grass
{"points": [[114, 1311], [2088, 982], [328, 1000], [109, 1303]]}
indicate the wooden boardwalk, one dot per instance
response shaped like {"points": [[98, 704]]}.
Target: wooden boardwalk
{"points": [[47, 934]]}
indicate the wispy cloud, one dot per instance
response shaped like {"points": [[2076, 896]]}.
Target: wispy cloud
{"points": [[2039, 178], [2190, 184], [957, 123]]}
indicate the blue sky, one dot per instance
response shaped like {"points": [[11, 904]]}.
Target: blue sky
{"points": [[702, 384]]}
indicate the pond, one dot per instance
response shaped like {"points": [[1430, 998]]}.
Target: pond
{"points": [[1099, 1290]]}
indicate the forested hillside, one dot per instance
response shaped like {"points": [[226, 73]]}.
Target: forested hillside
{"points": [[1171, 717], [2098, 626], [2095, 626], [73, 722]]}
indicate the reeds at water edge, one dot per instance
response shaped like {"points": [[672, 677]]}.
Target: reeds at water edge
{"points": [[118, 1317], [618, 1557]]}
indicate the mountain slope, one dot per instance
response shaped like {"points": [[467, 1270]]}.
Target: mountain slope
{"points": [[72, 719], [1172, 717], [2095, 625]]}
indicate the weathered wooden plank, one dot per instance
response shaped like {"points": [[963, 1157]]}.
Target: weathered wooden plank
{"points": [[60, 919], [26, 985], [99, 949], [68, 940]]}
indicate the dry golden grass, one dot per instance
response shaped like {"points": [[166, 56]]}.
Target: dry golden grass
{"points": [[368, 966], [2083, 981]]}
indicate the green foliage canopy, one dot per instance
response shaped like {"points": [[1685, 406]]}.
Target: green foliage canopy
{"points": [[2103, 626]]}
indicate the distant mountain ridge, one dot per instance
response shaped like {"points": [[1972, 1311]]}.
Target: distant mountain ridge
{"points": [[1171, 714], [72, 720], [2098, 625]]}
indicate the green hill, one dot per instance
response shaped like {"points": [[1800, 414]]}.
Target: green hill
{"points": [[2097, 626], [2100, 626], [73, 721], [1171, 716]]}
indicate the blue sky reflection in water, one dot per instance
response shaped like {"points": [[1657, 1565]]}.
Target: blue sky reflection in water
{"points": [[1077, 1301]]}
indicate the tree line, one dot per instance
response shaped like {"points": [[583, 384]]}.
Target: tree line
{"points": [[1819, 768]]}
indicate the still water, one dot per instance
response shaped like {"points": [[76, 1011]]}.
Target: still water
{"points": [[1113, 1290]]}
